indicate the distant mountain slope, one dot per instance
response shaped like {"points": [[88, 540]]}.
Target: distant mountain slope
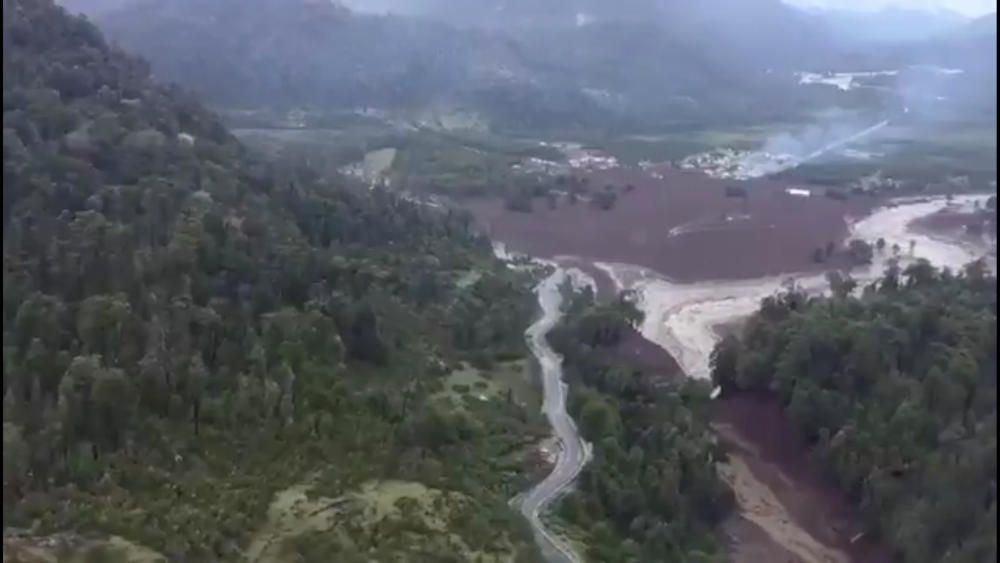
{"points": [[889, 25], [578, 62], [983, 26], [94, 7]]}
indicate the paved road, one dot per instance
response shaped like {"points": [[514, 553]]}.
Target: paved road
{"points": [[574, 453]]}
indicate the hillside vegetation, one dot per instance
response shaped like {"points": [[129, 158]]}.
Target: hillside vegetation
{"points": [[651, 492], [896, 392], [189, 331]]}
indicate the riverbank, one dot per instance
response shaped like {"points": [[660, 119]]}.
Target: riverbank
{"points": [[787, 509]]}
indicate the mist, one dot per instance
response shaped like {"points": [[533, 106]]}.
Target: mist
{"points": [[833, 130]]}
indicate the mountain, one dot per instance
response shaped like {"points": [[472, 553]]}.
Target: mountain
{"points": [[94, 8], [575, 62], [889, 25], [983, 26], [977, 40], [194, 336]]}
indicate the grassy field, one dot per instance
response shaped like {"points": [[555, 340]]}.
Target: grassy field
{"points": [[510, 381], [658, 147], [472, 161], [918, 154], [69, 548], [377, 162], [380, 520]]}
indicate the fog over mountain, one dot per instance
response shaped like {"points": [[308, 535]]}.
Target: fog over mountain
{"points": [[564, 62], [381, 281], [890, 25]]}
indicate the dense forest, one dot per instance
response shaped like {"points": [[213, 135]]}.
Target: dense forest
{"points": [[895, 391], [651, 492], [189, 330]]}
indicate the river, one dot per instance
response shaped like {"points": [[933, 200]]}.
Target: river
{"points": [[682, 319]]}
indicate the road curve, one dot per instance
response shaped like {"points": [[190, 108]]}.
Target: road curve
{"points": [[573, 453]]}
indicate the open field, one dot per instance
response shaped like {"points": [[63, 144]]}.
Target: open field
{"points": [[921, 154], [514, 381], [69, 548], [379, 161], [675, 145], [392, 520]]}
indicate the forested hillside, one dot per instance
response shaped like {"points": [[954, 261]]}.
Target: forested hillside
{"points": [[896, 392], [514, 64], [651, 492], [189, 331]]}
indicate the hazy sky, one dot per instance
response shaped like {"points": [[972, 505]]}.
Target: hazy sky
{"points": [[967, 7]]}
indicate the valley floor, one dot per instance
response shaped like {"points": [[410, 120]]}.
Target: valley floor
{"points": [[787, 510]]}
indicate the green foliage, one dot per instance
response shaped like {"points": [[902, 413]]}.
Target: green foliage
{"points": [[651, 492], [896, 392], [188, 330], [861, 252], [519, 201], [604, 325]]}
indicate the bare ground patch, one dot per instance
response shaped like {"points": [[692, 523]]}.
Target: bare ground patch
{"points": [[758, 504], [781, 492], [71, 548], [391, 518]]}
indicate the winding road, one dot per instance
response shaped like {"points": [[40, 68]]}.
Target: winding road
{"points": [[574, 452]]}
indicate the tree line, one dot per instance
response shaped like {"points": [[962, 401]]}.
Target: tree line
{"points": [[894, 389], [651, 492], [188, 327]]}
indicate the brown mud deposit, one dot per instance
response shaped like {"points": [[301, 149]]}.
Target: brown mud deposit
{"points": [[963, 224], [788, 512], [682, 225], [633, 347], [650, 358], [748, 543]]}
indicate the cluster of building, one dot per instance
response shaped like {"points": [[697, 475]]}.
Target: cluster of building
{"points": [[535, 165], [736, 164], [588, 159], [577, 158]]}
